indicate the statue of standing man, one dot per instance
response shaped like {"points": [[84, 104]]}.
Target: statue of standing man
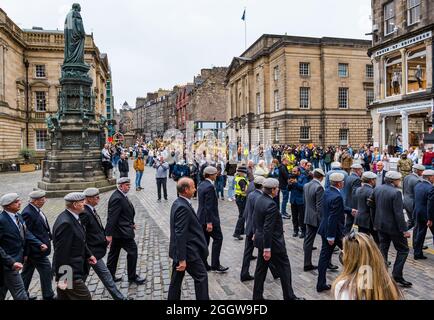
{"points": [[74, 36]]}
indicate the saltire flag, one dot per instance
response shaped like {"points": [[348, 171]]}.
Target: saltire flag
{"points": [[244, 15]]}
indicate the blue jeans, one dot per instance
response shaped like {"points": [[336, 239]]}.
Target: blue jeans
{"points": [[285, 198], [139, 175], [231, 187]]}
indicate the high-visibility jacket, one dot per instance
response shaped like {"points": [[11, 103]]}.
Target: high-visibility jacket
{"points": [[238, 191]]}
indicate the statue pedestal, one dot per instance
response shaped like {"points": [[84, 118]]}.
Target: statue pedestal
{"points": [[73, 155]]}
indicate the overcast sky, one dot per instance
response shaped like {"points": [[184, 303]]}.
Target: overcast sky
{"points": [[155, 44]]}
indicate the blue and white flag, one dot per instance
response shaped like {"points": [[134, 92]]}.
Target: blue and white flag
{"points": [[244, 15]]}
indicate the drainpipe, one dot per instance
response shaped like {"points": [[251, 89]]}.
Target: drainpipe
{"points": [[26, 64]]}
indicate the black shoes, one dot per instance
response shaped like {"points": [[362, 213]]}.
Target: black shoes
{"points": [[238, 237], [220, 269], [310, 268], [295, 234], [208, 267], [314, 248], [331, 266], [403, 282], [253, 257], [424, 247], [324, 288], [420, 257], [33, 298], [137, 280], [117, 279], [286, 216], [247, 278], [302, 235], [297, 298]]}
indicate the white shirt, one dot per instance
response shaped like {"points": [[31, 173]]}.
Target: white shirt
{"points": [[188, 200], [75, 215], [13, 217], [41, 214], [122, 192]]}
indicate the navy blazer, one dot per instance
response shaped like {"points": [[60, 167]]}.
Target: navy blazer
{"points": [[120, 217], [187, 240], [296, 189], [39, 228], [208, 210], [333, 215], [95, 234], [424, 201], [10, 238], [249, 210]]}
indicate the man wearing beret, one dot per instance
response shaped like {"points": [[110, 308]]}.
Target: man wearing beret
{"points": [[331, 227], [352, 183], [424, 212], [365, 214], [120, 232], [208, 215], [270, 241], [14, 241], [96, 241], [390, 223], [71, 254], [408, 186], [37, 223]]}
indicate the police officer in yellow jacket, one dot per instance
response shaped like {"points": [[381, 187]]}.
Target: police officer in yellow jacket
{"points": [[241, 184]]}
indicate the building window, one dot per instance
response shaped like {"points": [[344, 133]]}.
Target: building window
{"points": [[276, 134], [343, 137], [343, 98], [413, 11], [41, 101], [40, 71], [343, 70], [369, 96], [258, 103], [304, 69], [369, 71], [276, 100], [393, 75], [304, 133], [276, 73], [369, 134], [416, 70], [257, 78], [304, 98], [389, 18], [41, 139]]}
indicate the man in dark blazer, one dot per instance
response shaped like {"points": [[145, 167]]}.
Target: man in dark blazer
{"points": [[365, 214], [38, 225], [15, 240], [390, 223], [408, 185], [352, 183], [270, 241], [313, 197], [208, 214], [96, 241], [423, 211], [71, 254], [120, 232], [188, 247], [331, 227], [250, 228]]}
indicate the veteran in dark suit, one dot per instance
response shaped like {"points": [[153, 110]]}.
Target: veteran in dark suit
{"points": [[188, 247], [408, 185], [208, 215], [37, 224], [365, 214], [120, 232], [313, 197], [270, 241], [71, 254], [15, 241], [96, 241], [423, 211], [390, 223], [332, 226], [352, 183]]}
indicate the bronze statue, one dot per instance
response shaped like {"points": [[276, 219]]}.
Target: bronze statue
{"points": [[74, 36]]}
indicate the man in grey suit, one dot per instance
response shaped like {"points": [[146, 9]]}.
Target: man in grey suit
{"points": [[390, 223], [352, 183], [313, 196], [409, 183], [365, 214]]}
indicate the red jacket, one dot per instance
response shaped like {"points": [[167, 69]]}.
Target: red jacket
{"points": [[427, 158]]}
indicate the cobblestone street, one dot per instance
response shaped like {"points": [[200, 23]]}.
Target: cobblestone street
{"points": [[153, 243]]}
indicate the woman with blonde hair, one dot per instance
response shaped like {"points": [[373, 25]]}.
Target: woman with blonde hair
{"points": [[364, 275]]}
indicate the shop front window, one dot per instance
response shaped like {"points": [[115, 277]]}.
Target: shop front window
{"points": [[394, 76], [416, 64]]}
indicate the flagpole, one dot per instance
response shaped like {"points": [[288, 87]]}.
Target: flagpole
{"points": [[245, 30]]}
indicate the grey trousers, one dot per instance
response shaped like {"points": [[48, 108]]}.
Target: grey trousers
{"points": [[308, 244], [13, 283], [106, 278], [401, 245], [43, 266]]}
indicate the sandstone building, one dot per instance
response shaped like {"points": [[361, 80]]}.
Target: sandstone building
{"points": [[288, 89], [30, 68]]}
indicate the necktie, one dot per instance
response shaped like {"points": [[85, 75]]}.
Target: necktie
{"points": [[97, 217], [20, 226], [44, 218]]}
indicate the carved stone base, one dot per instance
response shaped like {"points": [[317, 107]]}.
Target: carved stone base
{"points": [[58, 190]]}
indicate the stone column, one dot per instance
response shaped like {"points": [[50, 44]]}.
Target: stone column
{"points": [[383, 133], [2, 73], [404, 121], [404, 81]]}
